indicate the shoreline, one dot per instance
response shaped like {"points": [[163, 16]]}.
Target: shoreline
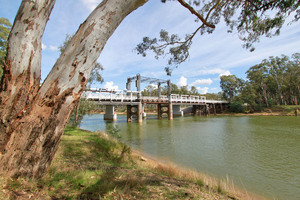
{"points": [[155, 163], [176, 171]]}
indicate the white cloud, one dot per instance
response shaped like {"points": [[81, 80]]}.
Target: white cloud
{"points": [[182, 81], [225, 73], [207, 81], [202, 90], [44, 46], [110, 86], [53, 48], [91, 4], [154, 86]]}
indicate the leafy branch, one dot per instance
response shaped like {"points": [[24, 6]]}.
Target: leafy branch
{"points": [[251, 19]]}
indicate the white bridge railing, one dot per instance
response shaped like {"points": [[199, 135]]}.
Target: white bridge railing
{"points": [[132, 96]]}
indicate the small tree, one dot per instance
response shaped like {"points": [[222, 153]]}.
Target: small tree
{"points": [[5, 27]]}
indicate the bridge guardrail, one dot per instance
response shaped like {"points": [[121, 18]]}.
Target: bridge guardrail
{"points": [[132, 96]]}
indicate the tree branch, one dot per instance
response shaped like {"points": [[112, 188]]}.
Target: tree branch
{"points": [[193, 11]]}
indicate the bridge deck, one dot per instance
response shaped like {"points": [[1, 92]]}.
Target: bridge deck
{"points": [[131, 98]]}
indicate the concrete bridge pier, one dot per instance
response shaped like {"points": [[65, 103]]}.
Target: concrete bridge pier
{"points": [[177, 110], [165, 108], [135, 111], [110, 113]]}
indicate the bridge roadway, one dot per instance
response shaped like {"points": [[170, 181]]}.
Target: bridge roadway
{"points": [[135, 102], [123, 97]]}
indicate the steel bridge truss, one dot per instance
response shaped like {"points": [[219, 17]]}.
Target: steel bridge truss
{"points": [[142, 79]]}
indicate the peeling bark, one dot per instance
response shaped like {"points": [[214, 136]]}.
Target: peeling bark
{"points": [[35, 132], [21, 76]]}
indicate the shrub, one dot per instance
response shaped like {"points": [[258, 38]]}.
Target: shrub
{"points": [[236, 107]]}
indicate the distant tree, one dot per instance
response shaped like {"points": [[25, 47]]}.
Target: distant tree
{"points": [[292, 80], [213, 96], [95, 76], [5, 27], [231, 86], [276, 80], [247, 94], [184, 90], [194, 91], [150, 90], [273, 81]]}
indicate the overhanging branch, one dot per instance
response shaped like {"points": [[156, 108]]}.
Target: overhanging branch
{"points": [[193, 11]]}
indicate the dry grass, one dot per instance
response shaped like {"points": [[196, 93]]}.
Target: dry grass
{"points": [[94, 166], [213, 185]]}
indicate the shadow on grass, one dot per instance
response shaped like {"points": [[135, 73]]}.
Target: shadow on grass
{"points": [[88, 166]]}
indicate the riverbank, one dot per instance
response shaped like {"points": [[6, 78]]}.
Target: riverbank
{"points": [[92, 165], [280, 110]]}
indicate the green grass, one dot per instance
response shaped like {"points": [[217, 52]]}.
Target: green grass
{"points": [[288, 109], [92, 165]]}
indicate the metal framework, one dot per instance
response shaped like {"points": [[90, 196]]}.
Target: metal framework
{"points": [[142, 79]]}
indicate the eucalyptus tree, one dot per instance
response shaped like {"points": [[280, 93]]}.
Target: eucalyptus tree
{"points": [[248, 18], [231, 86], [95, 75], [33, 116], [194, 91], [293, 80], [258, 76], [277, 70]]}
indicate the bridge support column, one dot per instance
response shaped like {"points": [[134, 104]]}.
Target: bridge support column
{"points": [[177, 110], [170, 111], [135, 111], [109, 113], [165, 108]]}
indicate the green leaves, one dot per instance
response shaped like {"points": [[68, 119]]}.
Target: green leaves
{"points": [[171, 45], [231, 86], [273, 81], [250, 19], [5, 27]]}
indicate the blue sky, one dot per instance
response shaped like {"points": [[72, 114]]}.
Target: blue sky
{"points": [[210, 56]]}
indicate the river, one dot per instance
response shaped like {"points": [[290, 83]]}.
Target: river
{"points": [[260, 154]]}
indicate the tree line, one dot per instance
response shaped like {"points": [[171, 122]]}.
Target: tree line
{"points": [[152, 90], [274, 81]]}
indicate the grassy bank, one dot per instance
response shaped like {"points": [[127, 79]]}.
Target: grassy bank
{"points": [[275, 110], [92, 165]]}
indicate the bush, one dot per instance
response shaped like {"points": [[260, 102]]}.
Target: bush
{"points": [[236, 107], [259, 107]]}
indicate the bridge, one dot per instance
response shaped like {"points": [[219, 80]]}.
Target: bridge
{"points": [[166, 104]]}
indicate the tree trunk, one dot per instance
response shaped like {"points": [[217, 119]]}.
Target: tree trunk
{"points": [[264, 93], [22, 70], [34, 135]]}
